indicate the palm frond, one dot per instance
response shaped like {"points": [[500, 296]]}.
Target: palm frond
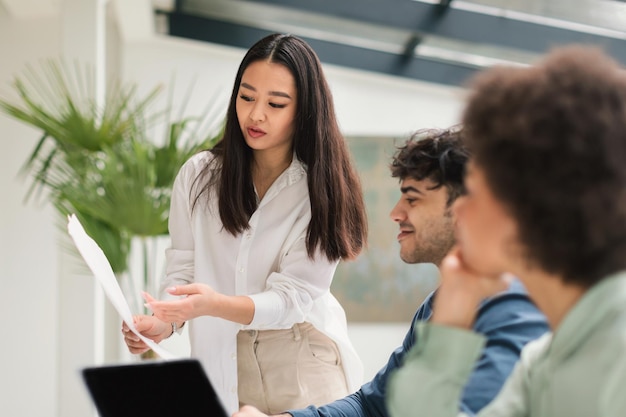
{"points": [[105, 164]]}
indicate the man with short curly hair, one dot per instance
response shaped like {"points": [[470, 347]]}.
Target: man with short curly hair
{"points": [[546, 201]]}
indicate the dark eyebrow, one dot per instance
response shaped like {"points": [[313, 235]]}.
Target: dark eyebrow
{"points": [[410, 188], [271, 93]]}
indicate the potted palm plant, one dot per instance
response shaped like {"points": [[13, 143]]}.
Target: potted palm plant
{"points": [[104, 163]]}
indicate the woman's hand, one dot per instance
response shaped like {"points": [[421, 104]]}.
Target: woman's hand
{"points": [[461, 291], [197, 300], [150, 327], [201, 300]]}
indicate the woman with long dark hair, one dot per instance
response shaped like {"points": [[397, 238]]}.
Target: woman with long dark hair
{"points": [[258, 225]]}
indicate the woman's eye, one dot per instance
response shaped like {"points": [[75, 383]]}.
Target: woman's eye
{"points": [[245, 98], [278, 106]]}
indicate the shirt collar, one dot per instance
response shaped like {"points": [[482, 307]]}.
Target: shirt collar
{"points": [[294, 173], [600, 302]]}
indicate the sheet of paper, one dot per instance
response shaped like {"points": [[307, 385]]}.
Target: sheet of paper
{"points": [[101, 268]]}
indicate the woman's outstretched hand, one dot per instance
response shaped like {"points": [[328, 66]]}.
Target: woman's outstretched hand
{"points": [[195, 300], [201, 300]]}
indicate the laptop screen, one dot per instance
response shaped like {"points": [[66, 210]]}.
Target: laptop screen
{"points": [[153, 388]]}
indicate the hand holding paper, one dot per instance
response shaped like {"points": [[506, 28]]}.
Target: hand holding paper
{"points": [[99, 265]]}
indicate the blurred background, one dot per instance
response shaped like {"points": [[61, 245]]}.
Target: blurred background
{"points": [[394, 66]]}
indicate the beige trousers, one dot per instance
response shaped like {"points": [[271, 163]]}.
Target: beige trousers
{"points": [[280, 370]]}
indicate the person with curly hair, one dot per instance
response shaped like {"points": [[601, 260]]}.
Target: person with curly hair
{"points": [[546, 202]]}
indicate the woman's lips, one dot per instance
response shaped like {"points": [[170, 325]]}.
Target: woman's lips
{"points": [[255, 133]]}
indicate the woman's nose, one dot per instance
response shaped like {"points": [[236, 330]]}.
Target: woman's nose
{"points": [[256, 113]]}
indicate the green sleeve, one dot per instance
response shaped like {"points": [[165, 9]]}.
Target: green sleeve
{"points": [[514, 398], [434, 374]]}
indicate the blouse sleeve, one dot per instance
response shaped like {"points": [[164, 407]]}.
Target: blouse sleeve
{"points": [[292, 291], [180, 255]]}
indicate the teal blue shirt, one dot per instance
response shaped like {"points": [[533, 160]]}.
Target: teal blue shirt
{"points": [[579, 370]]}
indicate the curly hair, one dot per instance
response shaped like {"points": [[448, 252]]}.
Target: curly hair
{"points": [[551, 140], [439, 155]]}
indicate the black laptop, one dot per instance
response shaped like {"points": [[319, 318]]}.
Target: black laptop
{"points": [[153, 389]]}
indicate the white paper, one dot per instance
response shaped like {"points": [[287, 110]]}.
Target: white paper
{"points": [[101, 268]]}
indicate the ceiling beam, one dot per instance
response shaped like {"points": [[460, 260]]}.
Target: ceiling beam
{"points": [[243, 36], [460, 24]]}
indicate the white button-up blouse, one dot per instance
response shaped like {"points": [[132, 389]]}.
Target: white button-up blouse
{"points": [[268, 262]]}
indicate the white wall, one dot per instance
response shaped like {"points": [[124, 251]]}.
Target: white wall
{"points": [[31, 350], [28, 246], [367, 104]]}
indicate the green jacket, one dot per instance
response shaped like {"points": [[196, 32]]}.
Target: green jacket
{"points": [[577, 371]]}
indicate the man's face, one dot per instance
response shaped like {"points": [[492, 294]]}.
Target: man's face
{"points": [[485, 231], [426, 224]]}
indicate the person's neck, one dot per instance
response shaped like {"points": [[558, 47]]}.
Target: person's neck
{"points": [[266, 169], [551, 294]]}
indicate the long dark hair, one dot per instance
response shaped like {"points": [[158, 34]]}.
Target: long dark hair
{"points": [[338, 223]]}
